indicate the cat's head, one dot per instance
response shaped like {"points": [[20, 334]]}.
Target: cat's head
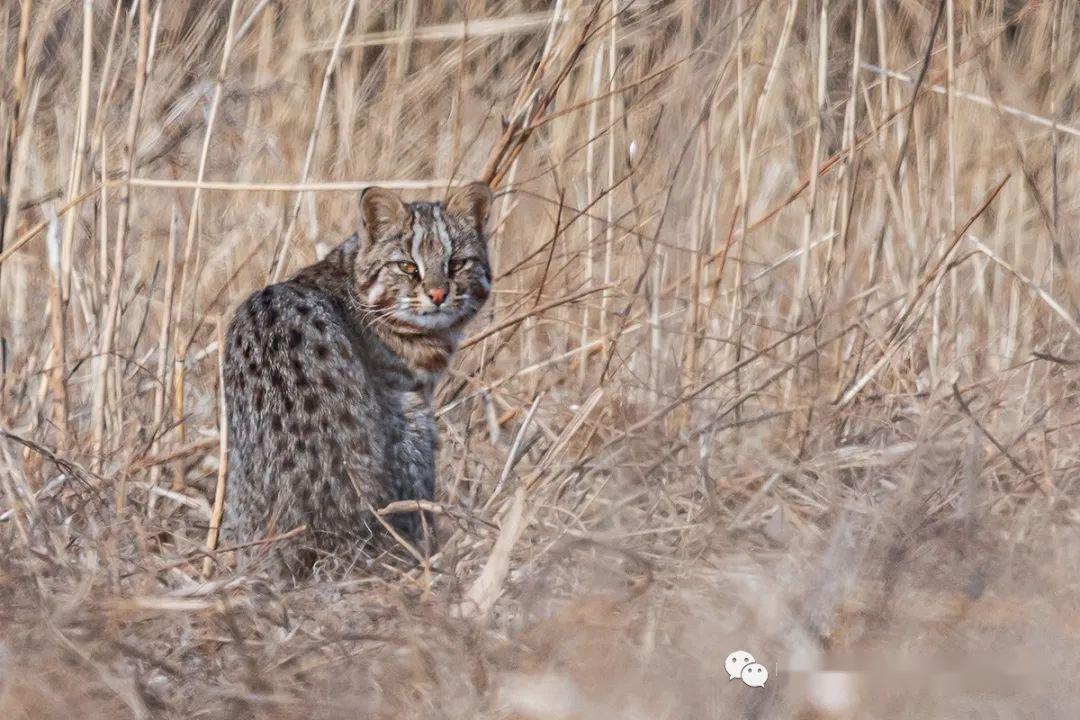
{"points": [[423, 267]]}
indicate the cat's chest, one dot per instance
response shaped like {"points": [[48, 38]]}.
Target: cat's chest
{"points": [[410, 403], [413, 441]]}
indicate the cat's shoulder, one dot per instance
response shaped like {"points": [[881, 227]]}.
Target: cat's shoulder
{"points": [[333, 272], [293, 308]]}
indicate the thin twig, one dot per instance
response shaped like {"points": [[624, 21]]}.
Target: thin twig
{"points": [[223, 456]]}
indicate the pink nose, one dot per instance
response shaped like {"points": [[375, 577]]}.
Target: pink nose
{"points": [[437, 295]]}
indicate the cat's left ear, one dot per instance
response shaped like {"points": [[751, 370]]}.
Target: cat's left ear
{"points": [[471, 202], [381, 211]]}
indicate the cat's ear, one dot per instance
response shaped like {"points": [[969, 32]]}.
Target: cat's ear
{"points": [[380, 210], [471, 202]]}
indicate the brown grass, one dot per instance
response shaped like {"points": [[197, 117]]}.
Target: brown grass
{"points": [[782, 355]]}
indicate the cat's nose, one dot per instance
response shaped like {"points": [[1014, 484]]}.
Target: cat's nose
{"points": [[437, 295]]}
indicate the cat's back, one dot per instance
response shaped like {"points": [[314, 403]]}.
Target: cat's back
{"points": [[303, 411], [290, 347]]}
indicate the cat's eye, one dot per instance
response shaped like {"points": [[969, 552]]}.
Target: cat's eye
{"points": [[408, 268], [456, 265]]}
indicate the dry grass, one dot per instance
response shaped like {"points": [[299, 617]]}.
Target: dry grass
{"points": [[782, 355]]}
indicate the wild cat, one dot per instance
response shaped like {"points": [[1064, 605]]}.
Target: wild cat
{"points": [[329, 377]]}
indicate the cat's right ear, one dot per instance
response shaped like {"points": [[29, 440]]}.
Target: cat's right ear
{"points": [[380, 210]]}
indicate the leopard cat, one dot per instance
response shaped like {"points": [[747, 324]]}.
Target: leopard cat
{"points": [[329, 378]]}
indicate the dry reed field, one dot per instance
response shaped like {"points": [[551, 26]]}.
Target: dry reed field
{"points": [[781, 356]]}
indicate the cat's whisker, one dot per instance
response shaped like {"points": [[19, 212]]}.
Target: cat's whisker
{"points": [[376, 316]]}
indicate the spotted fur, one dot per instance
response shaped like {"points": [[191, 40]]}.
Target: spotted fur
{"points": [[329, 376]]}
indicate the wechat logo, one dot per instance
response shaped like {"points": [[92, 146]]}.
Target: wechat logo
{"points": [[742, 665]]}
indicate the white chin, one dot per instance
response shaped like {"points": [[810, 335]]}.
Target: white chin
{"points": [[430, 321]]}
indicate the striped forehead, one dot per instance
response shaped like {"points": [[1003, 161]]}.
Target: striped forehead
{"points": [[429, 233]]}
